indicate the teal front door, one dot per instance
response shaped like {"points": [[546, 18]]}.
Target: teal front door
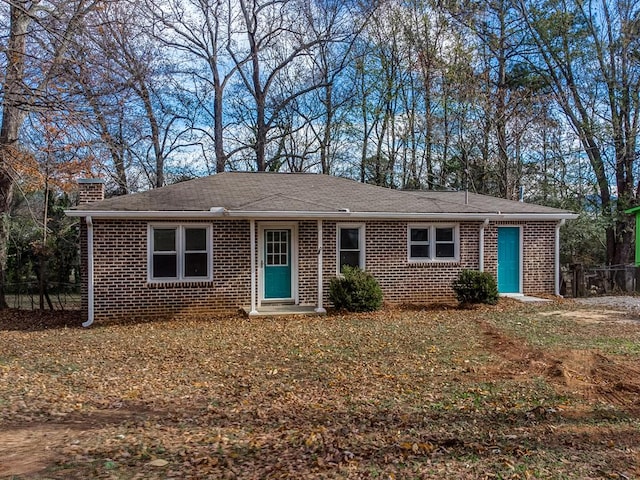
{"points": [[509, 260], [277, 264]]}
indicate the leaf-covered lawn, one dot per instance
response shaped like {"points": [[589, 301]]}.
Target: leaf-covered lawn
{"points": [[434, 393]]}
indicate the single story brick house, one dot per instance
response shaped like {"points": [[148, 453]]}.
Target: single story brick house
{"points": [[251, 240]]}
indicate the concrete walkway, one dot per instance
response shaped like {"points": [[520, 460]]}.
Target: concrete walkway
{"points": [[526, 298], [281, 310]]}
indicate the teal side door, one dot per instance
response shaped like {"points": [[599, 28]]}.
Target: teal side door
{"points": [[277, 263], [508, 260]]}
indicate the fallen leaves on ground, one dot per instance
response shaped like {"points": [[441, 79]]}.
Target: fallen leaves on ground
{"points": [[403, 393]]}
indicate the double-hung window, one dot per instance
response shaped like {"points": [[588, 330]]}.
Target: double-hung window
{"points": [[350, 246], [427, 243], [179, 252]]}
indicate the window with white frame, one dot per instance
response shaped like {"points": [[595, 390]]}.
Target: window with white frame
{"points": [[350, 246], [179, 252], [426, 243]]}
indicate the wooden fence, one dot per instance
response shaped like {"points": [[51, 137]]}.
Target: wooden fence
{"points": [[581, 281]]}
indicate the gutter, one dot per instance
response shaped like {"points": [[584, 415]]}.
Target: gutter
{"points": [[90, 286], [309, 215], [557, 257]]}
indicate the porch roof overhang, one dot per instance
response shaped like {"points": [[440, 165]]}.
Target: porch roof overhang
{"points": [[218, 212]]}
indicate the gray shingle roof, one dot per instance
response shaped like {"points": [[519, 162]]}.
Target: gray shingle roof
{"points": [[299, 192]]}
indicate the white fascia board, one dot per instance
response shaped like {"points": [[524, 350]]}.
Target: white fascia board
{"points": [[332, 215], [153, 214], [496, 217]]}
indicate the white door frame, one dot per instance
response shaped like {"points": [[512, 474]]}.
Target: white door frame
{"points": [[293, 226]]}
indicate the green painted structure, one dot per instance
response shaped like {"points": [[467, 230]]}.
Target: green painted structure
{"points": [[636, 211]]}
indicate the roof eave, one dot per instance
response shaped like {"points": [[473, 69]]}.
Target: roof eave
{"points": [[311, 215], [633, 210]]}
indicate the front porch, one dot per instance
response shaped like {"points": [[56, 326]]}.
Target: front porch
{"points": [[285, 256]]}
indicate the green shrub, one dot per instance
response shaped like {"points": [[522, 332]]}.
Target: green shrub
{"points": [[473, 286], [355, 291]]}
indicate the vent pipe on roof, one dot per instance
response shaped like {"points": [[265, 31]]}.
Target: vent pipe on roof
{"points": [[521, 193], [466, 196], [218, 210]]}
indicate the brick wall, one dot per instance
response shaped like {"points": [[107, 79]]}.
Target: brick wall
{"points": [[539, 258], [90, 190], [122, 290], [405, 282], [120, 274], [538, 254], [308, 262]]}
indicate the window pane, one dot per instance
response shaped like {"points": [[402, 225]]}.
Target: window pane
{"points": [[195, 239], [164, 266], [444, 234], [351, 259], [164, 239], [419, 251], [419, 234], [445, 250], [349, 238], [195, 265]]}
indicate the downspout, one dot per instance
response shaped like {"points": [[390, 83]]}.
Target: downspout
{"points": [[557, 257], [90, 289], [484, 225], [319, 308], [252, 234]]}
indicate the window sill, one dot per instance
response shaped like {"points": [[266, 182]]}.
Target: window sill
{"points": [[179, 283], [444, 261]]}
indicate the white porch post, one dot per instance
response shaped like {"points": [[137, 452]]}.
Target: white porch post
{"points": [[481, 245], [557, 257], [252, 234], [319, 308]]}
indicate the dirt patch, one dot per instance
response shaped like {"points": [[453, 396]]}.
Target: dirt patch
{"points": [[583, 372], [28, 448], [25, 451], [594, 316], [600, 377]]}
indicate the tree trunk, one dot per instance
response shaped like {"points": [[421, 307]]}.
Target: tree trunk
{"points": [[12, 117], [325, 143], [218, 126], [155, 132]]}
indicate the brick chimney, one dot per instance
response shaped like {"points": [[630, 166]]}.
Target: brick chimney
{"points": [[90, 190]]}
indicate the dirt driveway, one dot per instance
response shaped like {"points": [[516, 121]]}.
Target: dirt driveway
{"points": [[625, 303]]}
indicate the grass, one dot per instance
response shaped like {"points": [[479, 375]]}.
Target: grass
{"points": [[394, 394], [581, 328]]}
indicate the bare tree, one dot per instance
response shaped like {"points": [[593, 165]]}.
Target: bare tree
{"points": [[38, 38], [277, 46], [587, 53], [202, 32]]}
